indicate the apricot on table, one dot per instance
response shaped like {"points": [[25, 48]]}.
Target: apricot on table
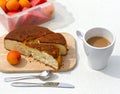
{"points": [[24, 3], [13, 57], [12, 5]]}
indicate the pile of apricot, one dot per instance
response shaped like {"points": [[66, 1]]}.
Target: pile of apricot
{"points": [[15, 6]]}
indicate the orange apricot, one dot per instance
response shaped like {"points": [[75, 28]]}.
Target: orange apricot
{"points": [[24, 3], [13, 57], [3, 4], [12, 5]]}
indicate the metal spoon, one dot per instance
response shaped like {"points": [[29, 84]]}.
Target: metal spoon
{"points": [[80, 35], [44, 75]]}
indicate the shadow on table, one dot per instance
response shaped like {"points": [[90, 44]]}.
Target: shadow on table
{"points": [[113, 68], [62, 18]]}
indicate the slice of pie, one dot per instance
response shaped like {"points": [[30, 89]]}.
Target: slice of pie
{"points": [[38, 42]]}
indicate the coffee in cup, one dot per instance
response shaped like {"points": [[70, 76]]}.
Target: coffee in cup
{"points": [[98, 41]]}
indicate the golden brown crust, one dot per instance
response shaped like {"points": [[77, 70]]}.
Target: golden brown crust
{"points": [[33, 32], [26, 33], [53, 38]]}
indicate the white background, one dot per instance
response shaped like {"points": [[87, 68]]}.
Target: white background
{"points": [[72, 15]]}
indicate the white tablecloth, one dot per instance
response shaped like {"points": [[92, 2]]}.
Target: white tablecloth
{"points": [[72, 15]]}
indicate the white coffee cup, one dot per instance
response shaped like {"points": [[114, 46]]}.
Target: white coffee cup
{"points": [[98, 56]]}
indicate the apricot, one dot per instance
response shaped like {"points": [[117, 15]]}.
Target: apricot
{"points": [[12, 5], [3, 4], [13, 57], [24, 3]]}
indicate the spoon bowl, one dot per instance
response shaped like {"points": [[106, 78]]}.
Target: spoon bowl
{"points": [[44, 75]]}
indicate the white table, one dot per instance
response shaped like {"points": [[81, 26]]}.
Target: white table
{"points": [[80, 15]]}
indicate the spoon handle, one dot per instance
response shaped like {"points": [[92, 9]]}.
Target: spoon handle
{"points": [[80, 35], [9, 79]]}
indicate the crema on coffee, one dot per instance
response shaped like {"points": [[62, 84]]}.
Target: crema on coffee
{"points": [[98, 41]]}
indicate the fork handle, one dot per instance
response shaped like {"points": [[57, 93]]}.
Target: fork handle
{"points": [[9, 79]]}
